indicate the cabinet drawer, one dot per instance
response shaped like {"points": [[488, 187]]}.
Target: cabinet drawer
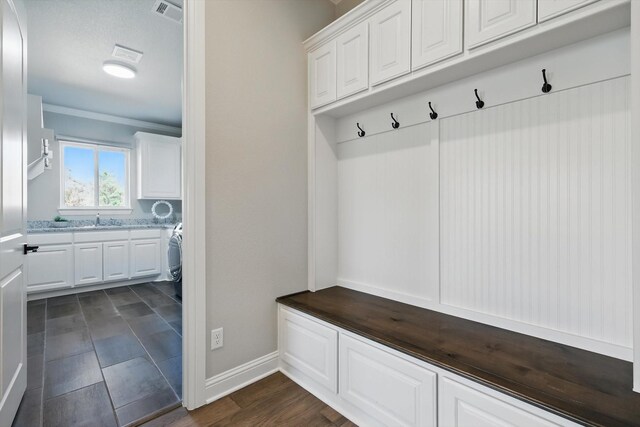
{"points": [[153, 233], [463, 406], [100, 236], [310, 347], [388, 389]]}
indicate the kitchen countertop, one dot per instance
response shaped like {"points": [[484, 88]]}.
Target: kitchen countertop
{"points": [[34, 227]]}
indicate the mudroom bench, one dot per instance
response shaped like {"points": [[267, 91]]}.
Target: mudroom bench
{"points": [[382, 362]]}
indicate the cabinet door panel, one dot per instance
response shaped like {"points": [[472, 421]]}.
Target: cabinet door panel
{"points": [[437, 31], [161, 170], [50, 268], [88, 263], [390, 37], [390, 390], [548, 9], [353, 61], [322, 75], [489, 20], [145, 258], [116, 261], [310, 347], [462, 406]]}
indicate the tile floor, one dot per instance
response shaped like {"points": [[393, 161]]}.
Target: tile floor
{"points": [[102, 358]]}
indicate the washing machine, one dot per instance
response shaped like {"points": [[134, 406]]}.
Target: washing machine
{"points": [[174, 254]]}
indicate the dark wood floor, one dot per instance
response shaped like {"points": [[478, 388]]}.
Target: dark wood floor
{"points": [[102, 358], [273, 401]]}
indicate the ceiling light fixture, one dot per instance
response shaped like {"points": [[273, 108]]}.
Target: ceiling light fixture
{"points": [[117, 69]]}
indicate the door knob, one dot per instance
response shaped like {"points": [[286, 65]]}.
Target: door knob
{"points": [[28, 248]]}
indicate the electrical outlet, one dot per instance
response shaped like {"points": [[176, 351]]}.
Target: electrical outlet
{"points": [[217, 338]]}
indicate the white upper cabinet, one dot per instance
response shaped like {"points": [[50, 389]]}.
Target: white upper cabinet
{"points": [[159, 163], [548, 9], [322, 75], [353, 60], [390, 38], [437, 31], [488, 20]]}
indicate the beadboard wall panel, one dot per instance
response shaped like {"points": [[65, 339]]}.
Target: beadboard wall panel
{"points": [[388, 212], [535, 211]]}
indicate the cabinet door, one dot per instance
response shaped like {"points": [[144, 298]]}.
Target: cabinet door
{"points": [[390, 37], [322, 75], [115, 260], [436, 29], [50, 268], [145, 258], [390, 390], [548, 9], [88, 263], [462, 406], [309, 347], [489, 20], [161, 170], [353, 61]]}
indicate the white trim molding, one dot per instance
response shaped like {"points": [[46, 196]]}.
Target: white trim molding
{"points": [[635, 188], [67, 111], [241, 376], [194, 283]]}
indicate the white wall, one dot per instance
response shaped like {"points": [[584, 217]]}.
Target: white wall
{"points": [[256, 167], [44, 191]]}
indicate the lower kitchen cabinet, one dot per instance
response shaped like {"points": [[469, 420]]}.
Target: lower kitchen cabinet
{"points": [[115, 261], [52, 266], [390, 390], [88, 263], [145, 257]]}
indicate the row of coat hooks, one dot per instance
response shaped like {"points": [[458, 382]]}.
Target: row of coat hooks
{"points": [[546, 88]]}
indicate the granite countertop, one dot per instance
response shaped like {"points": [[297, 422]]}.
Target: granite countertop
{"points": [[105, 225]]}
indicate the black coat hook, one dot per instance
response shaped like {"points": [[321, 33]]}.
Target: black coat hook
{"points": [[361, 133], [432, 114], [479, 102], [546, 87], [395, 124]]}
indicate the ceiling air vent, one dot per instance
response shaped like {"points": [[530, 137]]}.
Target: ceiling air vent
{"points": [[126, 54], [168, 10]]}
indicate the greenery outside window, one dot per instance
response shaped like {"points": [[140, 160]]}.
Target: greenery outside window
{"points": [[94, 177]]}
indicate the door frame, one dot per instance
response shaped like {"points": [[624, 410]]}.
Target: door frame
{"points": [[194, 245]]}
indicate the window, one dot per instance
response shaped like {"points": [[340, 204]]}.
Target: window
{"points": [[94, 176]]}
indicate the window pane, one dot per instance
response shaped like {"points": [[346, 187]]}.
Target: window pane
{"points": [[111, 173], [79, 177]]}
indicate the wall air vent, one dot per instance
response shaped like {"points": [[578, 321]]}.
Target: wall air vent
{"points": [[168, 10], [126, 54]]}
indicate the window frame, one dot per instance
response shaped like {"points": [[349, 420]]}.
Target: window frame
{"points": [[97, 147]]}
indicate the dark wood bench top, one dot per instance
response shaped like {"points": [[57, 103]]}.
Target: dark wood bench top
{"points": [[585, 387]]}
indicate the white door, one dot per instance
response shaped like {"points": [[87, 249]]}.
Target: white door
{"points": [[437, 31], [352, 61], [548, 9], [489, 20], [13, 306], [390, 38], [88, 263], [115, 256], [322, 75], [145, 258], [388, 389]]}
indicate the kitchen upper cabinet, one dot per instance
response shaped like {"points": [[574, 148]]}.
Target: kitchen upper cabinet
{"points": [[322, 75], [159, 163], [463, 406], [390, 38], [52, 266], [115, 260], [88, 263], [390, 390], [146, 257], [309, 347], [353, 61], [436, 31], [548, 9], [489, 20]]}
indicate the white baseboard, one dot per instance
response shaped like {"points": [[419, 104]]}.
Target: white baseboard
{"points": [[241, 376]]}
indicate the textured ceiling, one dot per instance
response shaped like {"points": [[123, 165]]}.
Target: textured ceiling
{"points": [[68, 40]]}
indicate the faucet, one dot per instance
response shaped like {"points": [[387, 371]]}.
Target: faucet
{"points": [[98, 219]]}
